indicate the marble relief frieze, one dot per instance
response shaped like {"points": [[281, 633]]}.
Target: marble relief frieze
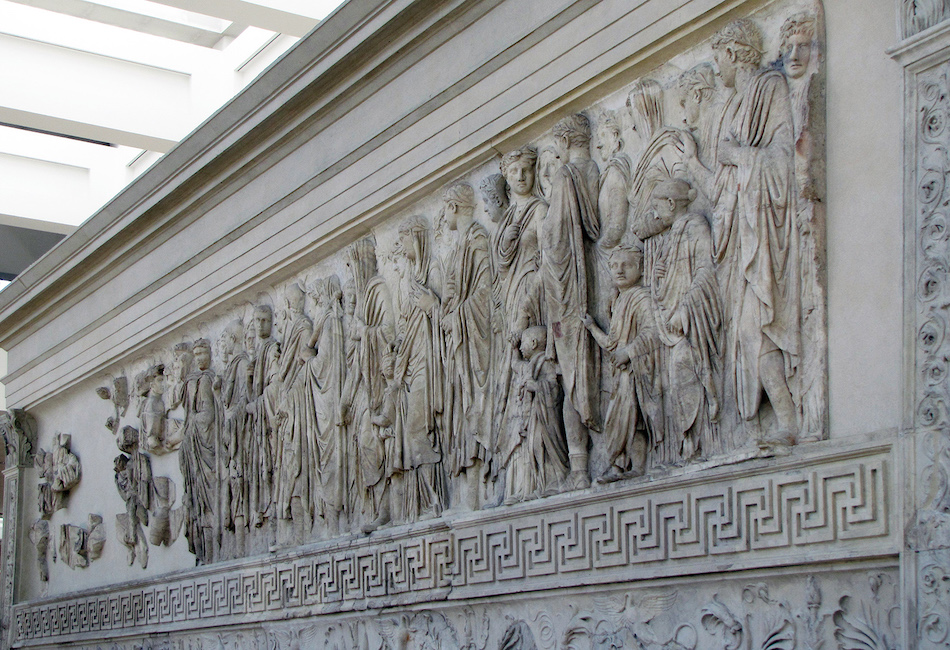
{"points": [[798, 509], [640, 289], [602, 353]]}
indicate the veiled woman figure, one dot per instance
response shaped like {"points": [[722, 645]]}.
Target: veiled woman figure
{"points": [[365, 395], [325, 373], [417, 451], [516, 258]]}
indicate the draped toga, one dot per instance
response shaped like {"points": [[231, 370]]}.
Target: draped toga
{"points": [[756, 234]]}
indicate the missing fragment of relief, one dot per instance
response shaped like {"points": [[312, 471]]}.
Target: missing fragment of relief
{"points": [[639, 290]]}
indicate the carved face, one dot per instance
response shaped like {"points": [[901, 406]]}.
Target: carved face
{"points": [[494, 204], [625, 269], [562, 147], [451, 215], [226, 345], [608, 142], [349, 303], [548, 164], [182, 365], [406, 247], [520, 177], [691, 103], [726, 61], [797, 55], [203, 357], [531, 344], [264, 320], [666, 210], [157, 386]]}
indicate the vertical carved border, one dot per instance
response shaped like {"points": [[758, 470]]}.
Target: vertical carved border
{"points": [[926, 431], [18, 430], [11, 533]]}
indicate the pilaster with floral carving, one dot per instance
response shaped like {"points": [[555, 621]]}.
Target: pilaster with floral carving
{"points": [[925, 55], [19, 437]]}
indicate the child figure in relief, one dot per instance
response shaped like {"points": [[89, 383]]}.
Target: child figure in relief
{"points": [[633, 424], [536, 454]]}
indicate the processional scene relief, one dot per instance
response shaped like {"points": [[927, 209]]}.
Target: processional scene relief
{"points": [[639, 290]]}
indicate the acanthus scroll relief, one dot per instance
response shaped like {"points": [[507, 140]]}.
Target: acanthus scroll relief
{"points": [[931, 535], [852, 611], [639, 289]]}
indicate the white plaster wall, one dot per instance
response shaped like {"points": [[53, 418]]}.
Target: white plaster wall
{"points": [[865, 222]]}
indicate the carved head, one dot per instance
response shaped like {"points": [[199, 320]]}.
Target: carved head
{"points": [[250, 336], [533, 341], [798, 42], [737, 44], [349, 298], [671, 199], [458, 201], [548, 164], [518, 169], [414, 245], [609, 135], [202, 351], [155, 379], [494, 196], [697, 87], [645, 103], [328, 292], [264, 321], [183, 361], [361, 260], [626, 266], [572, 133], [230, 339], [294, 298]]}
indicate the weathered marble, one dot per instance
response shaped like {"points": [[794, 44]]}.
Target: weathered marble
{"points": [[559, 349]]}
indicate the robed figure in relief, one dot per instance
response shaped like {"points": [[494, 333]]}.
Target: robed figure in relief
{"points": [[682, 280], [566, 232], [260, 439], [517, 258], [418, 375], [199, 457], [324, 380], [294, 505], [755, 230], [466, 325]]}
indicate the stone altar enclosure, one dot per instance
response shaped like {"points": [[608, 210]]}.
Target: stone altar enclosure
{"points": [[508, 324]]}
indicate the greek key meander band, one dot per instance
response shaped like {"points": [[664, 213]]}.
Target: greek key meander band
{"points": [[626, 534]]}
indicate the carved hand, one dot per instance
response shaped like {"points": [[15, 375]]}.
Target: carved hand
{"points": [[621, 358], [511, 235], [676, 324], [688, 145], [424, 298], [729, 151]]}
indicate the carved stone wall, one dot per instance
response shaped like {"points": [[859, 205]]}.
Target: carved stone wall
{"points": [[565, 387]]}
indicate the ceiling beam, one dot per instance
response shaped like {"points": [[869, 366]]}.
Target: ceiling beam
{"points": [[128, 20], [266, 15], [100, 98]]}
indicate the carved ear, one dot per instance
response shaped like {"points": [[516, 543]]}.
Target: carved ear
{"points": [[691, 195]]}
